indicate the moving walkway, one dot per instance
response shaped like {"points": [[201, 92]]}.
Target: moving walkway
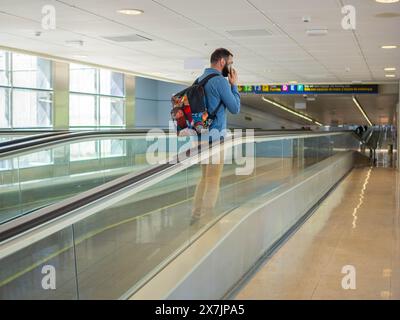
{"points": [[8, 138], [13, 142], [37, 173], [44, 170], [108, 240]]}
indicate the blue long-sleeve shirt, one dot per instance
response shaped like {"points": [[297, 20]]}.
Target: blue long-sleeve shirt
{"points": [[219, 89]]}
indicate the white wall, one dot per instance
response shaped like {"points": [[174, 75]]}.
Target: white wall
{"points": [[259, 119], [153, 106], [153, 102]]}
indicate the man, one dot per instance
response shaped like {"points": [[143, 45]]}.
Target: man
{"points": [[217, 90]]}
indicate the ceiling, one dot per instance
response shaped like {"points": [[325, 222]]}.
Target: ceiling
{"points": [[333, 109], [268, 38]]}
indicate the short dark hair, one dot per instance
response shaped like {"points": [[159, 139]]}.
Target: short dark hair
{"points": [[219, 54]]}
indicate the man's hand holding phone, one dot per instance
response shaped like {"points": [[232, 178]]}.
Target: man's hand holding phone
{"points": [[232, 77]]}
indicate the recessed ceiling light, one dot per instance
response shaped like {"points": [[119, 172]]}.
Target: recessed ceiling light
{"points": [[74, 43], [390, 69], [127, 38], [387, 1], [131, 12], [249, 33], [390, 76], [389, 47], [79, 56], [156, 73], [388, 15], [317, 32]]}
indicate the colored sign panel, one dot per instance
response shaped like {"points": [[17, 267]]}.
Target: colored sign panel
{"points": [[311, 89]]}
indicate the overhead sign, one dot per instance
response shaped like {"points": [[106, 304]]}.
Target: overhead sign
{"points": [[311, 89]]}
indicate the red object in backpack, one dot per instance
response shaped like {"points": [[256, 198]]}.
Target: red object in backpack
{"points": [[180, 118], [188, 113]]}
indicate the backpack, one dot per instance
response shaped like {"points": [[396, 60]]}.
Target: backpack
{"points": [[189, 111]]}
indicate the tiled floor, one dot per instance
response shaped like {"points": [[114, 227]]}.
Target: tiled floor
{"points": [[357, 225]]}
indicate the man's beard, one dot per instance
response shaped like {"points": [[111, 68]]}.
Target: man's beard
{"points": [[225, 71]]}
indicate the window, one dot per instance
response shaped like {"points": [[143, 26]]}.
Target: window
{"points": [[82, 110], [26, 96], [97, 97], [34, 108], [4, 108], [82, 79], [31, 72], [111, 111], [111, 83], [4, 68]]}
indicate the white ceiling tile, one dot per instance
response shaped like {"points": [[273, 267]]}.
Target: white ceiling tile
{"points": [[187, 29]]}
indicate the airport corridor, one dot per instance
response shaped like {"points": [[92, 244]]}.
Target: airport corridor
{"points": [[358, 224]]}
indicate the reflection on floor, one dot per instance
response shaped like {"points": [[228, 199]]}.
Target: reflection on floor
{"points": [[357, 225]]}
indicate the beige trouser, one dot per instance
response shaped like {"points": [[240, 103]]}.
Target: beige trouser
{"points": [[207, 189]]}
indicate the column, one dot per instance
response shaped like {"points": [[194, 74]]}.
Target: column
{"points": [[130, 102], [61, 95]]}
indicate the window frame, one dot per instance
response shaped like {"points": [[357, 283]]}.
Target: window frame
{"points": [[98, 95], [10, 88]]}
